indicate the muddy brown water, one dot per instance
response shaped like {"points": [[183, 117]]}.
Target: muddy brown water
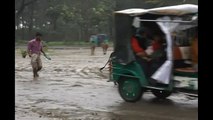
{"points": [[71, 87]]}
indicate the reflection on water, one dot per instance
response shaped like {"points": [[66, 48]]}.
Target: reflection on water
{"points": [[161, 101]]}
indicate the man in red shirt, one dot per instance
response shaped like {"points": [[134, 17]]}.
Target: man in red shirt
{"points": [[139, 43], [34, 51]]}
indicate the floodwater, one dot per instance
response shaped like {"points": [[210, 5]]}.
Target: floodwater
{"points": [[71, 87]]}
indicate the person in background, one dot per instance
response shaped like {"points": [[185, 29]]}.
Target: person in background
{"points": [[34, 50], [93, 42], [105, 44]]}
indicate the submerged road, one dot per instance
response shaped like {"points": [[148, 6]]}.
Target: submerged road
{"points": [[71, 87]]}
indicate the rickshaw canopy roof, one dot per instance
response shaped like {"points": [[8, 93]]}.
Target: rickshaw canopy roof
{"points": [[168, 10]]}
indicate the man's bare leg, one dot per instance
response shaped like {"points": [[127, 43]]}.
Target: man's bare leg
{"points": [[34, 65], [35, 69], [39, 68], [35, 72], [92, 50], [105, 49], [39, 65]]}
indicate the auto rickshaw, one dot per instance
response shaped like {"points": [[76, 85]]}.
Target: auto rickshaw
{"points": [[126, 71]]}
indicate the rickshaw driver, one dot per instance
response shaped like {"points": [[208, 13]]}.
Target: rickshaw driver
{"points": [[139, 45]]}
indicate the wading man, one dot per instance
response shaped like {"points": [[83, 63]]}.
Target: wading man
{"points": [[34, 51]]}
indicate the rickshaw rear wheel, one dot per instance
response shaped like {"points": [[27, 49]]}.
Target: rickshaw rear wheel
{"points": [[162, 94], [130, 89]]}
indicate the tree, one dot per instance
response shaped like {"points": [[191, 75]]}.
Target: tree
{"points": [[54, 13], [20, 5], [89, 17]]}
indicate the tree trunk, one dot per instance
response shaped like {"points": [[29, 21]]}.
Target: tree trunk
{"points": [[16, 25], [110, 26], [86, 34], [31, 20], [54, 24], [80, 33], [23, 33]]}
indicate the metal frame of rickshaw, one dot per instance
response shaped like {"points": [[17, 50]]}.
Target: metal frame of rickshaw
{"points": [[133, 71]]}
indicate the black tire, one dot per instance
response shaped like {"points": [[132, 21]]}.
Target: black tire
{"points": [[130, 89], [161, 94]]}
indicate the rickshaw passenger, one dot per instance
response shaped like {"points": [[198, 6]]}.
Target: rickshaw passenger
{"points": [[157, 44], [139, 45], [158, 56]]}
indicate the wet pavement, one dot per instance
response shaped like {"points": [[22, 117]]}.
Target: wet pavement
{"points": [[71, 87]]}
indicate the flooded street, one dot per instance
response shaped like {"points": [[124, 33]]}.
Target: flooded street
{"points": [[71, 87]]}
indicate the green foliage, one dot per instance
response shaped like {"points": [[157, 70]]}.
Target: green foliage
{"points": [[54, 12], [23, 53]]}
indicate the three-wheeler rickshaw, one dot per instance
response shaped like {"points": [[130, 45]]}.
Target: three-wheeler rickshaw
{"points": [[176, 23]]}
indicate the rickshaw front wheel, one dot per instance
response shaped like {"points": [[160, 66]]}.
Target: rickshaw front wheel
{"points": [[130, 89], [162, 94]]}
